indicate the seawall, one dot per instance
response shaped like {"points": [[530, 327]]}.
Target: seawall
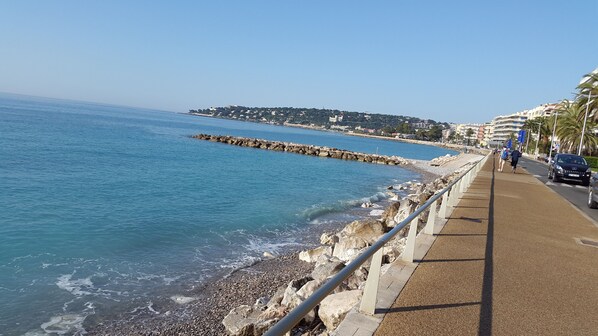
{"points": [[319, 151]]}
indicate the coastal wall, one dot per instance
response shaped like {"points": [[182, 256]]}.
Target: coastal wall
{"points": [[319, 151]]}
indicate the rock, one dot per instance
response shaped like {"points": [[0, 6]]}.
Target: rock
{"points": [[367, 205], [277, 297], [348, 248], [241, 321], [357, 279], [290, 298], [328, 239], [393, 249], [335, 306], [325, 270], [369, 229], [312, 255], [389, 214], [406, 208]]}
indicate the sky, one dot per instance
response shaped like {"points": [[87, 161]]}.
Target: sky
{"points": [[455, 61]]}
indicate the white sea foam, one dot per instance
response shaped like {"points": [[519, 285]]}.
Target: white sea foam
{"points": [[180, 299], [77, 287], [65, 324]]}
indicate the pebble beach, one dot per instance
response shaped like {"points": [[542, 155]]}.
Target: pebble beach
{"points": [[212, 302]]}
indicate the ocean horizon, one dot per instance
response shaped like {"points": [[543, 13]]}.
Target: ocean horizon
{"points": [[110, 210]]}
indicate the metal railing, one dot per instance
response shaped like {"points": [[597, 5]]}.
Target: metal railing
{"points": [[450, 197]]}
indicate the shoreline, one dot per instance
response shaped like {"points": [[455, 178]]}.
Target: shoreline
{"points": [[455, 147], [215, 299]]}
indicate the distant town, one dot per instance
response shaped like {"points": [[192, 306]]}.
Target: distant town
{"points": [[490, 134]]}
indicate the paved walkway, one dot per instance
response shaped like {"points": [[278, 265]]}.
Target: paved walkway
{"points": [[507, 262]]}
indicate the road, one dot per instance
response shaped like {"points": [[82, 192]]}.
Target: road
{"points": [[572, 191]]}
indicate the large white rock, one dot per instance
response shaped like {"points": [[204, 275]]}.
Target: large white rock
{"points": [[324, 270], [241, 321], [348, 248], [314, 254], [369, 229], [334, 307]]}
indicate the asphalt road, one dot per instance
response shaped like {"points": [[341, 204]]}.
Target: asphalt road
{"points": [[572, 191]]}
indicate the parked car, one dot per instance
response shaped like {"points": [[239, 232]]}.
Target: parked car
{"points": [[593, 192], [569, 167]]}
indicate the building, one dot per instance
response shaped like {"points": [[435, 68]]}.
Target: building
{"points": [[544, 110], [503, 127], [463, 130]]}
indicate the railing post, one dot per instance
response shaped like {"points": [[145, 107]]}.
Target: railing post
{"points": [[429, 228], [454, 196], [370, 291], [409, 252], [442, 212], [462, 184]]}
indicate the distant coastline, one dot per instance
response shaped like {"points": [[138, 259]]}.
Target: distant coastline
{"points": [[455, 147]]}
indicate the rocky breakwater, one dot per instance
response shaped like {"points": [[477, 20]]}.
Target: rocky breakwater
{"points": [[334, 253], [319, 151]]}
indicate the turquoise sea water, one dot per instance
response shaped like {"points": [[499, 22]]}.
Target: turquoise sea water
{"points": [[111, 209]]}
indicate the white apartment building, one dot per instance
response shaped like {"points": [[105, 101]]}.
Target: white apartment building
{"points": [[504, 126], [544, 110]]}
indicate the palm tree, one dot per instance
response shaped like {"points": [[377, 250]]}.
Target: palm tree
{"points": [[588, 89], [569, 128], [544, 126]]}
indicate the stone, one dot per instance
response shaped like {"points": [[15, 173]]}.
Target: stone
{"points": [[389, 214], [348, 248], [241, 321], [328, 239], [368, 229], [335, 306], [312, 255], [326, 270]]}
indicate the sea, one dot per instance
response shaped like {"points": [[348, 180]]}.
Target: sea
{"points": [[106, 210]]}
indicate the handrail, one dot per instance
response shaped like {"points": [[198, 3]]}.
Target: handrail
{"points": [[295, 316]]}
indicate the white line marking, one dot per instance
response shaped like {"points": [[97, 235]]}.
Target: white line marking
{"points": [[550, 183], [566, 185], [538, 176], [580, 187]]}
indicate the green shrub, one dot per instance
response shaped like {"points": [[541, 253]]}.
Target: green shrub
{"points": [[592, 161]]}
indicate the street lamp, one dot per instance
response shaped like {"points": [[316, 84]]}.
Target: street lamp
{"points": [[553, 131], [583, 129]]}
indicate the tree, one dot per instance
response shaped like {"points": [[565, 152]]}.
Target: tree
{"points": [[435, 133], [569, 129], [588, 87], [468, 135]]}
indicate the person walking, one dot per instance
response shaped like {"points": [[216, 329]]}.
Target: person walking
{"points": [[504, 154], [515, 155]]}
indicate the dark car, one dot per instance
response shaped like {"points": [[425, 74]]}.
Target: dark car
{"points": [[569, 167]]}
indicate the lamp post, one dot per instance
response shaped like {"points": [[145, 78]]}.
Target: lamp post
{"points": [[537, 142], [553, 131], [583, 129]]}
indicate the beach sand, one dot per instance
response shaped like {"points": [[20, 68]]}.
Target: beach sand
{"points": [[243, 287]]}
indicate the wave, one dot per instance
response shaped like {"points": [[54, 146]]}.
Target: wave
{"points": [[320, 210]]}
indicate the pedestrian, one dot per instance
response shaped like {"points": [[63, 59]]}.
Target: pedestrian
{"points": [[504, 154], [515, 155]]}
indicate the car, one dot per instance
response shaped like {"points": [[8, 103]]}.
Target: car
{"points": [[593, 192], [569, 167]]}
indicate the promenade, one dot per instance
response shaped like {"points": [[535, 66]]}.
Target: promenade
{"points": [[507, 262]]}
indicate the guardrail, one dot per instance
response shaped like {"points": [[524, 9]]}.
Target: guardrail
{"points": [[450, 197]]}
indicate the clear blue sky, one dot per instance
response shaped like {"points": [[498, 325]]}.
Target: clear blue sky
{"points": [[458, 61]]}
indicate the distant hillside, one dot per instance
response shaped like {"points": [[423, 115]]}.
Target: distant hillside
{"points": [[357, 122]]}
